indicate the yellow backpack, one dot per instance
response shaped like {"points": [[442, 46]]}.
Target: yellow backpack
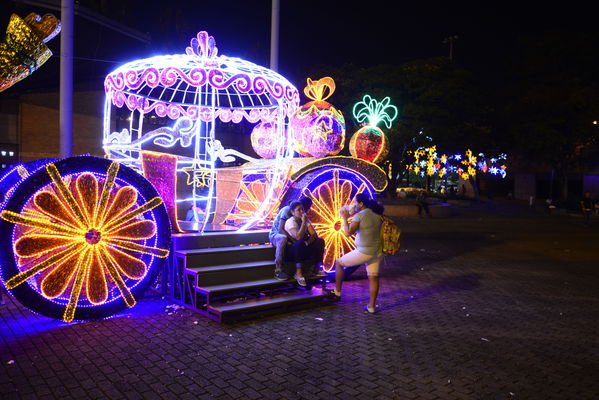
{"points": [[390, 233]]}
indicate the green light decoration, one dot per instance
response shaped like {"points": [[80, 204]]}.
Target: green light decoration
{"points": [[369, 142], [373, 111]]}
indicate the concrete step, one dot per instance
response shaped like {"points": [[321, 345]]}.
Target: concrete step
{"points": [[225, 255], [189, 241]]}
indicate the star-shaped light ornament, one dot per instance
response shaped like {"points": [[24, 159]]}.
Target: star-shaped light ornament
{"points": [[197, 175]]}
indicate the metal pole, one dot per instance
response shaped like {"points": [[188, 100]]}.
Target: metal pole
{"points": [[66, 78], [274, 35]]}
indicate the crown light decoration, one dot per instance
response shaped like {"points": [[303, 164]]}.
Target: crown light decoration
{"points": [[318, 127], [369, 142]]}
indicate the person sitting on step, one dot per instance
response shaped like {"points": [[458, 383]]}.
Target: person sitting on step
{"points": [[279, 238], [307, 246]]}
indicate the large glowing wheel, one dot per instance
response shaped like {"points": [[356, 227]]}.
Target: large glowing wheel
{"points": [[82, 238], [330, 190]]}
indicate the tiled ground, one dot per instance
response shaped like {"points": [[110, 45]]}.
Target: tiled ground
{"points": [[497, 302]]}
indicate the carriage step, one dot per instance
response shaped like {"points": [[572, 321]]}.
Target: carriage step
{"points": [[226, 255], [222, 311], [196, 240], [242, 286], [257, 284], [231, 273]]}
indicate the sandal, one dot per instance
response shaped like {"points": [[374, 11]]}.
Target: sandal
{"points": [[370, 310], [300, 280]]}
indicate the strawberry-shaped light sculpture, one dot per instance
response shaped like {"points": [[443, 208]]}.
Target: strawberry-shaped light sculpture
{"points": [[318, 127], [369, 142]]}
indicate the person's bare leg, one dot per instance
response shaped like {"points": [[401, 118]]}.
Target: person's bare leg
{"points": [[299, 269], [338, 277], [374, 290]]}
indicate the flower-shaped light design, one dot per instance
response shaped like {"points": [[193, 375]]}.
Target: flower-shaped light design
{"points": [[327, 199], [372, 111], [81, 238], [251, 197]]}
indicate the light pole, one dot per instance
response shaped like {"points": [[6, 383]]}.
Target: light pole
{"points": [[67, 15], [274, 35], [450, 40]]}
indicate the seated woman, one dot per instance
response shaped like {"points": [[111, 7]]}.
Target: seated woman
{"points": [[306, 246], [367, 223]]}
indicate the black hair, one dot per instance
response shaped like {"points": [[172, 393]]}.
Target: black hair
{"points": [[306, 202], [370, 203], [295, 204]]}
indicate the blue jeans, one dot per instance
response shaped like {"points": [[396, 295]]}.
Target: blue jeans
{"points": [[279, 241]]}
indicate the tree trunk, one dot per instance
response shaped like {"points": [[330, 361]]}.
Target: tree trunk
{"points": [[475, 187]]}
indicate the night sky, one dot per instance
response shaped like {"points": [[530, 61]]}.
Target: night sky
{"points": [[312, 33]]}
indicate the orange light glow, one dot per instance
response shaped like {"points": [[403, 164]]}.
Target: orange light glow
{"points": [[79, 243], [327, 199]]}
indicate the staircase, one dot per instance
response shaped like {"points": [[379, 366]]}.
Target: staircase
{"points": [[228, 275]]}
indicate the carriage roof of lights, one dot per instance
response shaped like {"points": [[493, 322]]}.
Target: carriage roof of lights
{"points": [[201, 84]]}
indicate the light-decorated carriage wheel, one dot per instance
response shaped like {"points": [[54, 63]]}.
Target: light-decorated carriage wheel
{"points": [[82, 238], [331, 183]]}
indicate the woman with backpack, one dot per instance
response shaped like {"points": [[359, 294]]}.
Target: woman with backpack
{"points": [[367, 223]]}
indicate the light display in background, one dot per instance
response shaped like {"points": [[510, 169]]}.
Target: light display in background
{"points": [[81, 238], [318, 127], [428, 163], [196, 90], [369, 142], [23, 49]]}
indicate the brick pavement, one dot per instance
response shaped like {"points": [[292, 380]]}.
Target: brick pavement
{"points": [[496, 302]]}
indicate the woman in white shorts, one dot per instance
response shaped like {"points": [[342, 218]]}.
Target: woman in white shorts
{"points": [[367, 223]]}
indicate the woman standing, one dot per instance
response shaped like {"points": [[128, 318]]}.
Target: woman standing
{"points": [[367, 223]]}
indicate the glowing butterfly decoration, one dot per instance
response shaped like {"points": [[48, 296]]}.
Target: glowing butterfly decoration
{"points": [[318, 127], [369, 142], [23, 49]]}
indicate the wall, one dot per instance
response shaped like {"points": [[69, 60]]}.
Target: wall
{"points": [[39, 125], [524, 186]]}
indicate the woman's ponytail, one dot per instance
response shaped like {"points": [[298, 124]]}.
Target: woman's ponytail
{"points": [[376, 207], [370, 203]]}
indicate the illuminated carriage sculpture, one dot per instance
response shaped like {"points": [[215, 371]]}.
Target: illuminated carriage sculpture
{"points": [[82, 237]]}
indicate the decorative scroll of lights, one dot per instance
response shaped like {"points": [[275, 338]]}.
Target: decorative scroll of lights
{"points": [[81, 238], [169, 86]]}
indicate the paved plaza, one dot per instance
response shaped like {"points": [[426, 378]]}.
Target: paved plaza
{"points": [[495, 302]]}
